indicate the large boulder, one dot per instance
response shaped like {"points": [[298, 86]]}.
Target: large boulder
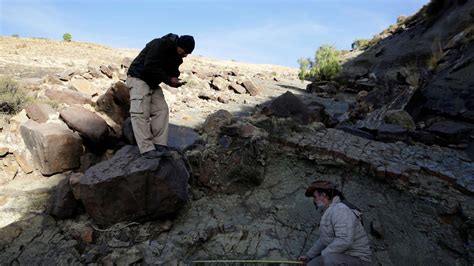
{"points": [[40, 112], [89, 125], [68, 96], [55, 148], [288, 105], [115, 102], [132, 187]]}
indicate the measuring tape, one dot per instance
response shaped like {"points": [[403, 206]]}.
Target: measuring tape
{"points": [[248, 261]]}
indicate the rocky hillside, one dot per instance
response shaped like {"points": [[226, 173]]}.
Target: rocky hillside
{"points": [[246, 141], [421, 66]]}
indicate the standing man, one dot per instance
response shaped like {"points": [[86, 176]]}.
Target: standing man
{"points": [[158, 62], [342, 239]]}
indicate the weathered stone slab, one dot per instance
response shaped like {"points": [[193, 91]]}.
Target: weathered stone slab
{"points": [[55, 148], [405, 165]]}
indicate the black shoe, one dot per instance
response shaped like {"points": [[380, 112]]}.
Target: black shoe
{"points": [[161, 148], [153, 154]]}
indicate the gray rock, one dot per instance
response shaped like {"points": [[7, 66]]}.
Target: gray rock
{"points": [[401, 118], [106, 71], [55, 148], [126, 62], [392, 133], [62, 203], [237, 88], [143, 188], [220, 84], [216, 120], [454, 132], [89, 125]]}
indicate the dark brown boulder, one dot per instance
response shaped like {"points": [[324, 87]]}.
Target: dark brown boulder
{"points": [[115, 103], [130, 187], [288, 105]]}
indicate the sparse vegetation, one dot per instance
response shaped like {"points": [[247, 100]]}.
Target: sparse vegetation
{"points": [[324, 67], [67, 37], [361, 44], [12, 97], [412, 74], [15, 36], [436, 55]]}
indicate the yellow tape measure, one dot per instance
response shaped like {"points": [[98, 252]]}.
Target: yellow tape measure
{"points": [[247, 261]]}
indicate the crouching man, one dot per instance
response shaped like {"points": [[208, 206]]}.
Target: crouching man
{"points": [[342, 240]]}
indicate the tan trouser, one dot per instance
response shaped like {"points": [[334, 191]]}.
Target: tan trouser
{"points": [[149, 114]]}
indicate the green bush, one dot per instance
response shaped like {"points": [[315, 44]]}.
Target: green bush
{"points": [[325, 66], [15, 36], [67, 37], [361, 44], [12, 96]]}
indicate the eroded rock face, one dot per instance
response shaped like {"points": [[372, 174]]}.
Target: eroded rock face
{"points": [[131, 187], [54, 147]]}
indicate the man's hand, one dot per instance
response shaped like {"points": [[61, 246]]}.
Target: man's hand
{"points": [[175, 82], [304, 259]]}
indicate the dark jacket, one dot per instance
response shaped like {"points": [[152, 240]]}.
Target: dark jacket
{"points": [[157, 62]]}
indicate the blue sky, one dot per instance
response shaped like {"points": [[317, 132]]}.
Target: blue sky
{"points": [[258, 31]]}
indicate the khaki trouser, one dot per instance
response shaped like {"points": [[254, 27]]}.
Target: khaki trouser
{"points": [[149, 114], [334, 259]]}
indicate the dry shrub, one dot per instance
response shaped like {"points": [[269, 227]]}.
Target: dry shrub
{"points": [[12, 97]]}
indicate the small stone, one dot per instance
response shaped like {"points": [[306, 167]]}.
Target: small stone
{"points": [[3, 151], [87, 234], [23, 162], [106, 71], [376, 229]]}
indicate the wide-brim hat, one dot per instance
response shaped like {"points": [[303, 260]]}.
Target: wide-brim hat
{"points": [[321, 184]]}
